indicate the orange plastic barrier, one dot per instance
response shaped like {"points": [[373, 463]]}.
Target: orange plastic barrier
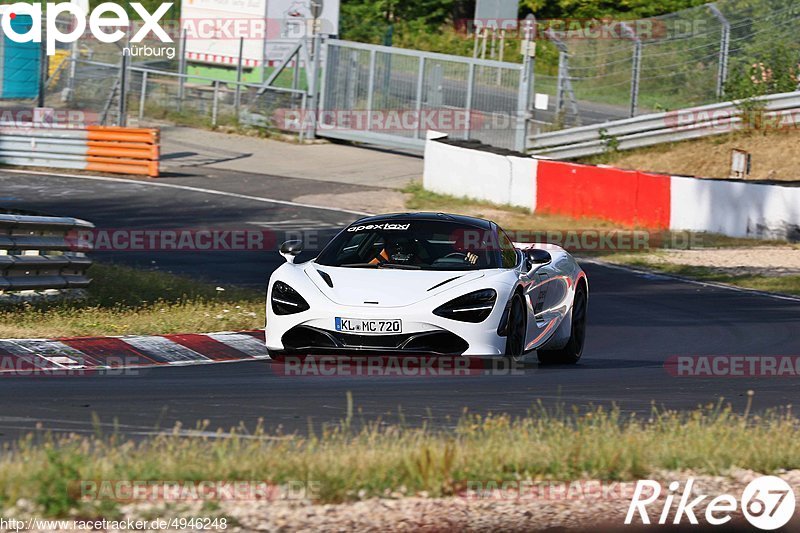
{"points": [[123, 150]]}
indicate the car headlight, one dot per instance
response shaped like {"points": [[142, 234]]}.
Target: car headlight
{"points": [[473, 307], [286, 300]]}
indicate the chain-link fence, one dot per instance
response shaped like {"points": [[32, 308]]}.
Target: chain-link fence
{"points": [[374, 92], [715, 52]]}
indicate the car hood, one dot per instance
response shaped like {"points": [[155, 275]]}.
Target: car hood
{"points": [[385, 287]]}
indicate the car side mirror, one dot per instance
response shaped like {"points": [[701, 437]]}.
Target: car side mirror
{"points": [[291, 249], [535, 257]]}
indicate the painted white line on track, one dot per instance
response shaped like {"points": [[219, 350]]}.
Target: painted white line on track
{"points": [[659, 275], [189, 188]]}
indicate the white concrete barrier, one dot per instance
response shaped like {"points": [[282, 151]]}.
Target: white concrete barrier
{"points": [[479, 175], [735, 208], [726, 207]]}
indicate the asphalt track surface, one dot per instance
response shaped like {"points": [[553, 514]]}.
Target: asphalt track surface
{"points": [[636, 322]]}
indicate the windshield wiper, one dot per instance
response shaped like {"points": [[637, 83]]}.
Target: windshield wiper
{"points": [[395, 266], [360, 265], [398, 266]]}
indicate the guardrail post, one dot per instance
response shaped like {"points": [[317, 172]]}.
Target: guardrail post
{"points": [[143, 95], [215, 104], [724, 45]]}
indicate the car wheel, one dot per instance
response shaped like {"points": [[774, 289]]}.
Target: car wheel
{"points": [[517, 328], [572, 351]]}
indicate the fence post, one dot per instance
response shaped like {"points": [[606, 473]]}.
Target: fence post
{"points": [[562, 60], [636, 67], [143, 95], [370, 87], [123, 95], [418, 105], [724, 45], [181, 71], [525, 84], [238, 97], [468, 103], [316, 44], [215, 104]]}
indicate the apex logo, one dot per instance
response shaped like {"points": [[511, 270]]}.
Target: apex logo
{"points": [[99, 22]]}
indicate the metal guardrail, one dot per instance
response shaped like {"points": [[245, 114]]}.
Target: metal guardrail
{"points": [[36, 254], [94, 148], [656, 128]]}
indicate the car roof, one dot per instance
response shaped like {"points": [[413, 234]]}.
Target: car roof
{"points": [[431, 217]]}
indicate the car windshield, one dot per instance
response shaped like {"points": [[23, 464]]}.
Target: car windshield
{"points": [[413, 245]]}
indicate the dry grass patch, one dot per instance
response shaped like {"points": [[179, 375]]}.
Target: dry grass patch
{"points": [[774, 154], [346, 464], [128, 301]]}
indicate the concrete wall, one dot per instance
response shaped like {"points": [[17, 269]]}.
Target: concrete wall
{"points": [[630, 198]]}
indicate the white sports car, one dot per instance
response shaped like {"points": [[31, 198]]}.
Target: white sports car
{"points": [[428, 283]]}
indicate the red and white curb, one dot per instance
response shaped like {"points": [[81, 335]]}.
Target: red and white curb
{"points": [[99, 353]]}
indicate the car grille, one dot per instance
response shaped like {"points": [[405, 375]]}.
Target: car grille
{"points": [[433, 342]]}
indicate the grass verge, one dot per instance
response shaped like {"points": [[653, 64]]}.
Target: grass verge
{"points": [[123, 300], [777, 284], [345, 464], [516, 218]]}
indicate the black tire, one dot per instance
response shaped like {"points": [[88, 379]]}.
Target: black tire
{"points": [[517, 328], [572, 351]]}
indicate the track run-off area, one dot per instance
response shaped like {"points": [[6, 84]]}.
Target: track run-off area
{"points": [[640, 326]]}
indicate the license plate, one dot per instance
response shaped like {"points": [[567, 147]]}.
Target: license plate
{"points": [[358, 325]]}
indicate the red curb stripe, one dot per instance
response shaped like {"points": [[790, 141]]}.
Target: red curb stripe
{"points": [[105, 348], [205, 345], [258, 334]]}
